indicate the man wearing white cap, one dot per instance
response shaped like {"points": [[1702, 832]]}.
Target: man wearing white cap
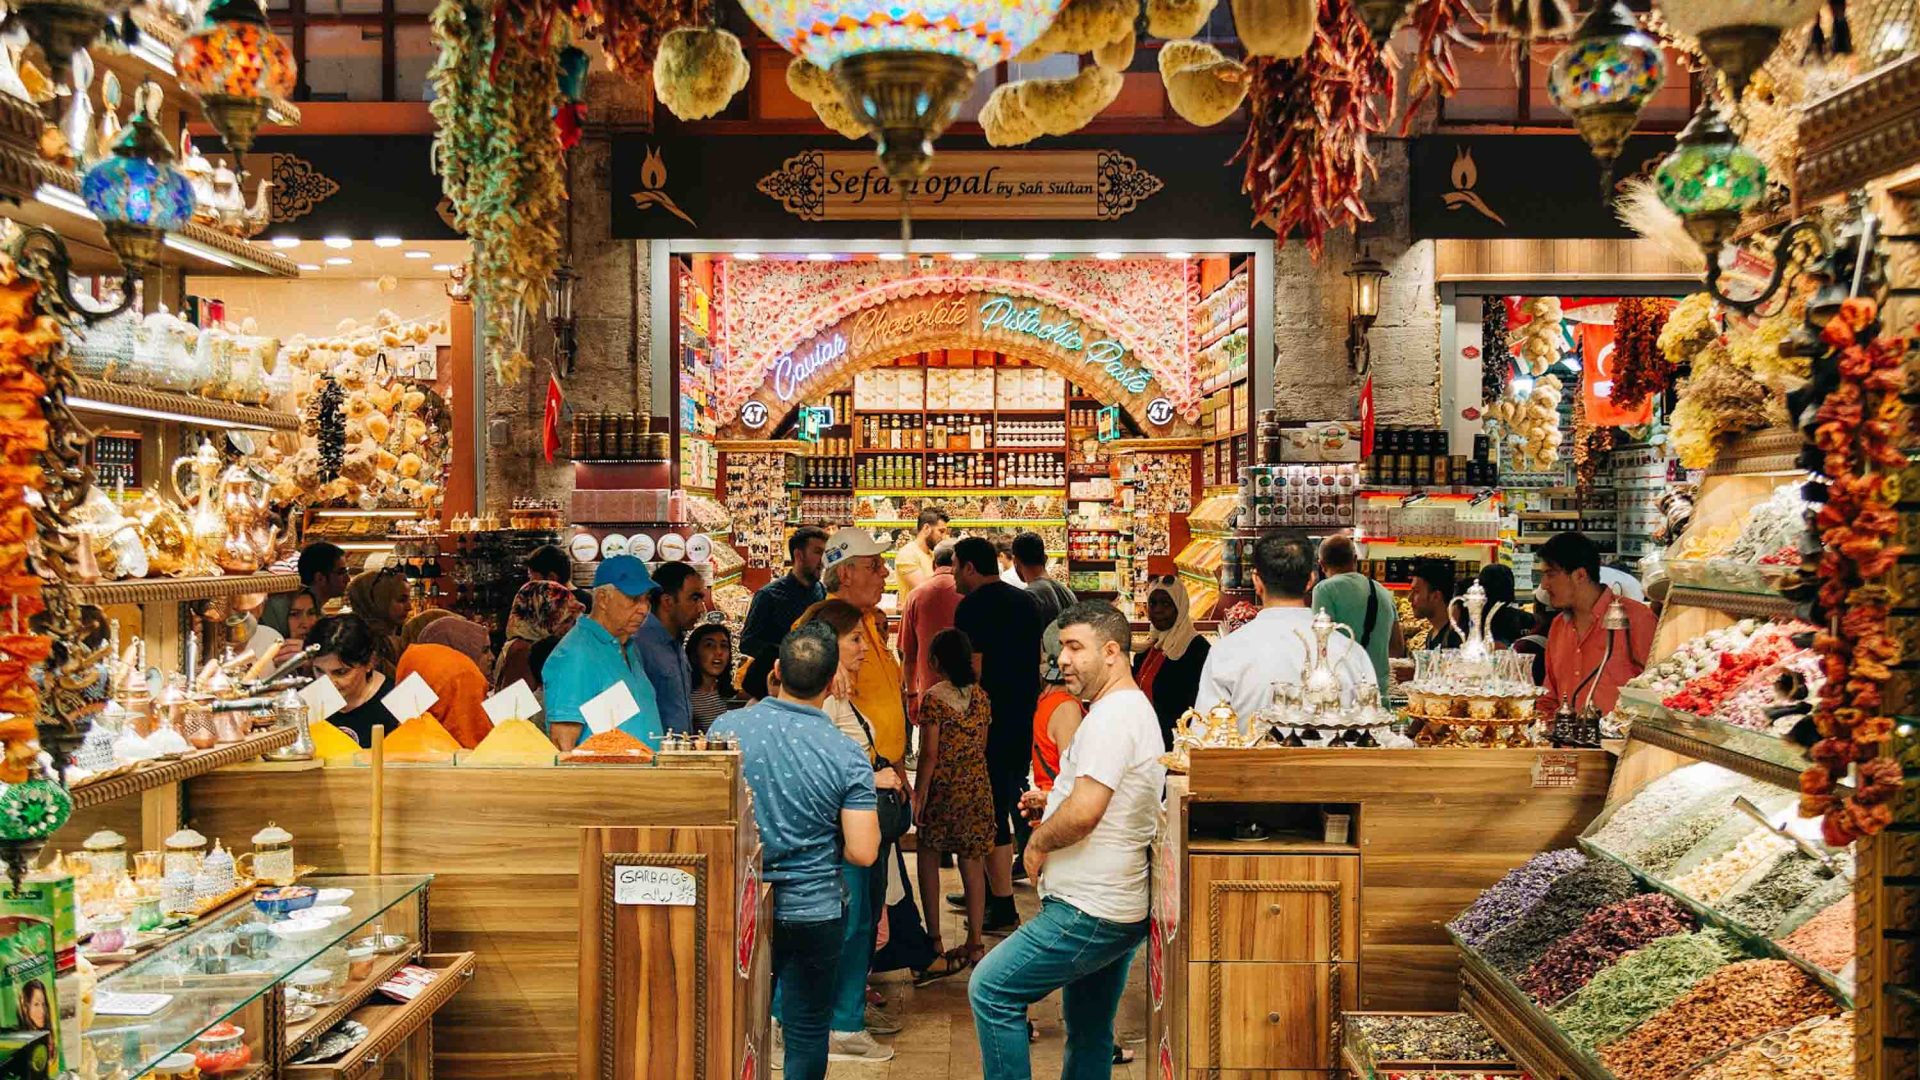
{"points": [[853, 570]]}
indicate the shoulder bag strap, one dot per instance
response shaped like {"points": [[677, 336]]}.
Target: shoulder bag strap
{"points": [[1373, 614]]}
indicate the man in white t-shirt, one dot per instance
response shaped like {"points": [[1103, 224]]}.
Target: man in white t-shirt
{"points": [[1089, 852]]}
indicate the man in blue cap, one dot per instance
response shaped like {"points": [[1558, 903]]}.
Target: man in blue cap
{"points": [[596, 653]]}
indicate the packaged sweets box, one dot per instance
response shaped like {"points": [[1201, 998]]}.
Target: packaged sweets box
{"points": [[49, 899]]}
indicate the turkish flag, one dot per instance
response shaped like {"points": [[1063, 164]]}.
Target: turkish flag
{"points": [[550, 422], [1366, 418], [1599, 369]]}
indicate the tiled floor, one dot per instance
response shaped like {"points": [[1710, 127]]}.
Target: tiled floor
{"points": [[938, 1041]]}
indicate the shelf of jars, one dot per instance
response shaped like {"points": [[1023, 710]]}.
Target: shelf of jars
{"points": [[133, 778], [185, 589], [92, 395]]}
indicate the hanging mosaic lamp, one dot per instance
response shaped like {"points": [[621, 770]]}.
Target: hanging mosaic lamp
{"points": [[62, 28], [137, 194], [904, 68], [237, 68], [1710, 179], [1604, 77], [1737, 36]]}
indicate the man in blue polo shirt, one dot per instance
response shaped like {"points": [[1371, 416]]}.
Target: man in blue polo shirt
{"points": [[598, 652], [814, 801]]}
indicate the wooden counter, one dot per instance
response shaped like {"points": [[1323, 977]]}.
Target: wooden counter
{"points": [[505, 846], [1432, 829]]}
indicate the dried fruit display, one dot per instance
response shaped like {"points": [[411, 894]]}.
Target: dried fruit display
{"points": [[1640, 366], [1642, 983], [1739, 1002], [1308, 123], [1606, 935]]}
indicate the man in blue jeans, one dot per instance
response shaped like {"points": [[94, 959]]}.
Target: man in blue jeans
{"points": [[812, 797], [1089, 852]]}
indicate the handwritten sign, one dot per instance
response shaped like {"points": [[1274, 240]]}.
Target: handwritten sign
{"points": [[610, 708], [963, 185], [323, 699], [654, 886]]}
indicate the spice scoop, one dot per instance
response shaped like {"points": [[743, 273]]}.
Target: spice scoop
{"points": [[1832, 864]]}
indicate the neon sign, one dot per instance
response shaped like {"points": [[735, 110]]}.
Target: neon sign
{"points": [[1066, 335], [793, 369]]}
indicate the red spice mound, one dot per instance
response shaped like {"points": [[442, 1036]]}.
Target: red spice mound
{"points": [[1607, 934], [1827, 938]]}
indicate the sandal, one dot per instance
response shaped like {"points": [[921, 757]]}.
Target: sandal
{"points": [[952, 962], [1122, 1055]]}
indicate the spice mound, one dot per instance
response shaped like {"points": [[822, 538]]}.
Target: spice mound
{"points": [[1642, 983], [513, 742], [421, 739], [1739, 1002], [1605, 936], [1763, 904], [1514, 895], [1827, 938], [1567, 903], [1445, 1037], [1822, 1046], [611, 747]]}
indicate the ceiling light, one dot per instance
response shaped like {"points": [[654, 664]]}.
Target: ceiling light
{"points": [[820, 256], [419, 254], [746, 256], [964, 256], [890, 256], [338, 243], [446, 268], [1182, 255], [386, 241], [284, 242], [309, 267], [1106, 256], [339, 260], [1036, 256]]}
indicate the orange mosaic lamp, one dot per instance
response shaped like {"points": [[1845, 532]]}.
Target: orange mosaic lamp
{"points": [[236, 66]]}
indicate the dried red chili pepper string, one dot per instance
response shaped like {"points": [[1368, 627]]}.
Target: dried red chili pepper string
{"points": [[1640, 368], [1441, 24]]}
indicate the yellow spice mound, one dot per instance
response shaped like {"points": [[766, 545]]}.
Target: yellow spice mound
{"points": [[421, 739], [513, 742], [330, 743]]}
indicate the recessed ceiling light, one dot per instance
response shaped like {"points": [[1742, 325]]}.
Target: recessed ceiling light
{"points": [[338, 242], [964, 256], [1179, 254], [419, 254], [890, 256], [746, 256], [339, 260], [309, 267], [820, 256], [1036, 256], [446, 268], [386, 241], [286, 242], [1106, 256]]}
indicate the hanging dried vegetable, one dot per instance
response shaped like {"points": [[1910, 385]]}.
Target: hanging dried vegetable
{"points": [[1691, 326], [1591, 445], [631, 30], [496, 87], [1496, 363], [1440, 25], [1640, 368], [1855, 433], [1308, 123], [1538, 343], [328, 426], [1717, 401]]}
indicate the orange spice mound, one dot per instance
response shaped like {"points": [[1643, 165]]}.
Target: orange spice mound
{"points": [[612, 747]]}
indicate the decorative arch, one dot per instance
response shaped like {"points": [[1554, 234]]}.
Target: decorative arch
{"points": [[877, 326]]}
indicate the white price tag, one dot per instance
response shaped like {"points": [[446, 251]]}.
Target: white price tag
{"points": [[516, 702], [610, 708], [323, 699], [654, 886], [411, 698]]}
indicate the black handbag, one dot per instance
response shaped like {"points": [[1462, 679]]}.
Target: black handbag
{"points": [[896, 813]]}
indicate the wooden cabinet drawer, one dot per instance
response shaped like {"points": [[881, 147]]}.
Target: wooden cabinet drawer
{"points": [[1266, 1016], [390, 1025], [1276, 908]]}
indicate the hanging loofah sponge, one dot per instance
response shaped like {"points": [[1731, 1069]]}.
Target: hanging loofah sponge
{"points": [[1281, 29], [1004, 120], [698, 71], [1171, 20], [1064, 106], [1082, 27], [811, 84], [1117, 55], [1203, 86]]}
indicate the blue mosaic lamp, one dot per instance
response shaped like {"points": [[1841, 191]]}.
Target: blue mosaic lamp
{"points": [[137, 194], [1604, 77]]}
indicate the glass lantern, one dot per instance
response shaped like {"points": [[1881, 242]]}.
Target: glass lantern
{"points": [[1710, 179], [1605, 76], [236, 66], [137, 194]]}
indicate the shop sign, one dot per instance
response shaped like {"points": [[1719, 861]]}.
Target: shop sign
{"points": [[791, 371], [1486, 187], [1160, 412], [1047, 185], [1556, 770], [1065, 335], [754, 414], [654, 886]]}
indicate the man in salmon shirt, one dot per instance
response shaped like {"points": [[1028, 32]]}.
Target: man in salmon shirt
{"points": [[1569, 574]]}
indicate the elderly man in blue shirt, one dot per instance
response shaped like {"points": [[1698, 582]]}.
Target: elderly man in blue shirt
{"points": [[599, 652], [679, 601]]}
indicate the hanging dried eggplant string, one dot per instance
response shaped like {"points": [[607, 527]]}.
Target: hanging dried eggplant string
{"points": [[1640, 367], [1309, 119], [1440, 24], [328, 426], [1496, 364]]}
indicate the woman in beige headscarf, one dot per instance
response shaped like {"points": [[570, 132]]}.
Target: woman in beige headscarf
{"points": [[379, 597], [410, 632], [1168, 672]]}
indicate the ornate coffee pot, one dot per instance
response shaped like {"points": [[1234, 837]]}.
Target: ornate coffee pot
{"points": [[206, 520], [1476, 636], [1321, 688], [250, 535]]}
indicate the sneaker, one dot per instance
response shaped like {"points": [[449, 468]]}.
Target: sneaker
{"points": [[856, 1046], [779, 1051], [957, 901], [882, 1022]]}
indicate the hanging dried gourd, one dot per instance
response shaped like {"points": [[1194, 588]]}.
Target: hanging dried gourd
{"points": [[811, 84], [1277, 29], [698, 71], [1171, 20], [1203, 86]]}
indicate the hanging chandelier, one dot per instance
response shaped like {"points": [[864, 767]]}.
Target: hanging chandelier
{"points": [[237, 67], [1737, 36], [1604, 77], [904, 69], [136, 192]]}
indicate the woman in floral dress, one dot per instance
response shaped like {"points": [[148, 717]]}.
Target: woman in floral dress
{"points": [[955, 803]]}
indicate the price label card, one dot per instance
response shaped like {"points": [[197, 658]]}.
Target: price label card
{"points": [[411, 698], [1556, 770], [654, 886], [323, 699], [516, 702], [610, 708]]}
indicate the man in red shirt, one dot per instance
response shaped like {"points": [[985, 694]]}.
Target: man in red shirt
{"points": [[1569, 572], [926, 611]]}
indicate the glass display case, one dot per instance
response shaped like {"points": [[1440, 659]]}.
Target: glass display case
{"points": [[244, 991]]}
